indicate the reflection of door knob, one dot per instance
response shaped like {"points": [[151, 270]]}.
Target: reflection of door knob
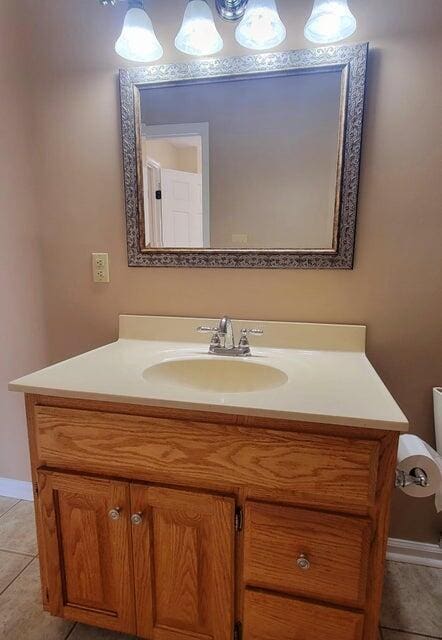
{"points": [[303, 562], [114, 514], [136, 518]]}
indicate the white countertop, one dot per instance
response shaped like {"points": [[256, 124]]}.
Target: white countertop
{"points": [[330, 379]]}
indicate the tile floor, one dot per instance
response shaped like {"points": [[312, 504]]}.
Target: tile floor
{"points": [[412, 607]]}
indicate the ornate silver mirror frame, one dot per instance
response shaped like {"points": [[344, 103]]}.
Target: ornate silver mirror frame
{"points": [[350, 60]]}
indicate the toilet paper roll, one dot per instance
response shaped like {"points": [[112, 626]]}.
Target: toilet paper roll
{"points": [[437, 407], [414, 452]]}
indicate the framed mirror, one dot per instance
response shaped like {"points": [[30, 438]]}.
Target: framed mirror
{"points": [[244, 162]]}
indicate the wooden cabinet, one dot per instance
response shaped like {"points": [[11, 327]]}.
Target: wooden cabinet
{"points": [[183, 525], [183, 560], [87, 549], [181, 549]]}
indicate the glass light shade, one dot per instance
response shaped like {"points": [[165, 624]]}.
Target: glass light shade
{"points": [[198, 35], [138, 41], [261, 26], [330, 21]]}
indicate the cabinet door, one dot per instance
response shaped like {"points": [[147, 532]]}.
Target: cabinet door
{"points": [[183, 563], [86, 530]]}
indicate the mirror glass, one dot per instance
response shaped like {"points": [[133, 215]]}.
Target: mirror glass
{"points": [[242, 163]]}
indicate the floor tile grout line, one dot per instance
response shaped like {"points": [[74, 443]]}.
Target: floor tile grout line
{"points": [[19, 553], [17, 576], [413, 633], [11, 507], [71, 631]]}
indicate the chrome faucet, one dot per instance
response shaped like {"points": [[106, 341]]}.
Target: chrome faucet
{"points": [[225, 332], [223, 339]]}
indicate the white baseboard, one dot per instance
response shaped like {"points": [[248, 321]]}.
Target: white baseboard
{"points": [[19, 489], [428, 555]]}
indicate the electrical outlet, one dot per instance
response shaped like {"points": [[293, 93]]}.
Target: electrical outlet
{"points": [[100, 267]]}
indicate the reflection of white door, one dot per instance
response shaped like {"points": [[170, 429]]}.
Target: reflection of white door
{"points": [[182, 208]]}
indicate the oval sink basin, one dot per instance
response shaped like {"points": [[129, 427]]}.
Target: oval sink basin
{"points": [[219, 376]]}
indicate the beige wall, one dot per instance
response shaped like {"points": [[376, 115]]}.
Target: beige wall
{"points": [[170, 156], [395, 287], [161, 151], [22, 326], [190, 159]]}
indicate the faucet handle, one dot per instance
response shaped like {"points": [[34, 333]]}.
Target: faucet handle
{"points": [[216, 340], [207, 329], [243, 341], [255, 332]]}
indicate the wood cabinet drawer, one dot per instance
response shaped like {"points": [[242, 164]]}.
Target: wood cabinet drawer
{"points": [[335, 547], [330, 471], [272, 617]]}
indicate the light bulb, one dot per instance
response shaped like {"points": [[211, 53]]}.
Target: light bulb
{"points": [[330, 21], [198, 35], [138, 41], [261, 26]]}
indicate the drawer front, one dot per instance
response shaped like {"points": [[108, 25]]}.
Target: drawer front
{"points": [[307, 553], [306, 468], [272, 617]]}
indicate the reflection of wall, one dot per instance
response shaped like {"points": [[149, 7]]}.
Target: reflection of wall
{"points": [[71, 71], [170, 156], [188, 159], [273, 154]]}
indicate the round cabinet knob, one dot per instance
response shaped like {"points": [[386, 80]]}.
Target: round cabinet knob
{"points": [[136, 518], [114, 514], [303, 562]]}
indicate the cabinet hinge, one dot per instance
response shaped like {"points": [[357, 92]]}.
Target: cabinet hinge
{"points": [[237, 631], [36, 489], [239, 518]]}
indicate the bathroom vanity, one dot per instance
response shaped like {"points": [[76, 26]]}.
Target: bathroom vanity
{"points": [[237, 503]]}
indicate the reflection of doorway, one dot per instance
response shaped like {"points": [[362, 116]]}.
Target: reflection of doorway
{"points": [[176, 185]]}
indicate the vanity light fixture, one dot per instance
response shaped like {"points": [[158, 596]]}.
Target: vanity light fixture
{"points": [[198, 35], [330, 21], [138, 41], [261, 26]]}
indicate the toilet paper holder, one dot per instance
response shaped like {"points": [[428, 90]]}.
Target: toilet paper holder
{"points": [[416, 476]]}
